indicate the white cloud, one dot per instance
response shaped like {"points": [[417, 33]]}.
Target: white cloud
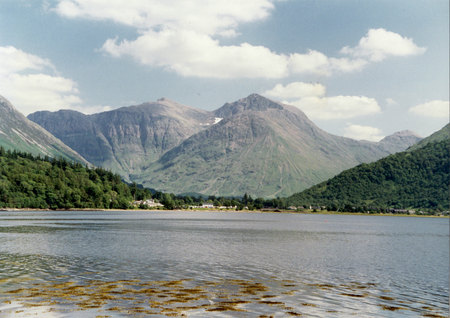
{"points": [[391, 102], [13, 60], [434, 109], [296, 90], [379, 44], [202, 16], [94, 109], [317, 63], [311, 99], [337, 107], [359, 132], [183, 37], [313, 62], [25, 81], [192, 54]]}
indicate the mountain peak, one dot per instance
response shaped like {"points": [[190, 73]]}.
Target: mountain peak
{"points": [[253, 102], [404, 133], [4, 103], [404, 138]]}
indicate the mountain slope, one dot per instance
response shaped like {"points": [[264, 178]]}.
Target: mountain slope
{"points": [[410, 179], [129, 138], [440, 135], [19, 133], [262, 148]]}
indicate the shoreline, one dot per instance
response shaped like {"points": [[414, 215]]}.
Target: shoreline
{"points": [[220, 211]]}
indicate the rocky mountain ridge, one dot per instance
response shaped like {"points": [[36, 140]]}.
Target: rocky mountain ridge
{"points": [[19, 133], [254, 145]]}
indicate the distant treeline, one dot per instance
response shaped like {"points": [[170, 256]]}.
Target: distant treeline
{"points": [[409, 180]]}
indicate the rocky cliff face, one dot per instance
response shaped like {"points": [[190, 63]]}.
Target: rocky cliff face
{"points": [[19, 133], [127, 139]]}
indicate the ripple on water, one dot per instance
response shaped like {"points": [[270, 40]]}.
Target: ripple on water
{"points": [[190, 298]]}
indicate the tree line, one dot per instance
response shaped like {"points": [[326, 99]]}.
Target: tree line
{"points": [[408, 180]]}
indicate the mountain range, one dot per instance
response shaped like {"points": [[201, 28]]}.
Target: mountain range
{"points": [[254, 146], [21, 134]]}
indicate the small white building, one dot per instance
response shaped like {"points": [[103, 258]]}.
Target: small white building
{"points": [[150, 203]]}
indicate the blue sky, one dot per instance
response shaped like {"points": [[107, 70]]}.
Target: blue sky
{"points": [[362, 69]]}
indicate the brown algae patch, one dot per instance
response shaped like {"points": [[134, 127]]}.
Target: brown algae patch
{"points": [[309, 305], [179, 298], [386, 298], [432, 315], [354, 295], [391, 308]]}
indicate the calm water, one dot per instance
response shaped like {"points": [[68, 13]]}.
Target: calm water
{"points": [[118, 264]]}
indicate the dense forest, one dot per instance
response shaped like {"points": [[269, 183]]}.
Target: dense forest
{"points": [[34, 182], [417, 179]]}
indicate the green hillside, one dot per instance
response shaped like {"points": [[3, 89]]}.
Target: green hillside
{"points": [[32, 182], [417, 179], [442, 134]]}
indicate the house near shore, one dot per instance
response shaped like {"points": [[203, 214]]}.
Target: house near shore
{"points": [[149, 203]]}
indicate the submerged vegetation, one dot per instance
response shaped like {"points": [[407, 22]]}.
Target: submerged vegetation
{"points": [[181, 298]]}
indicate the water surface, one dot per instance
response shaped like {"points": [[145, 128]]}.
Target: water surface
{"points": [[206, 264]]}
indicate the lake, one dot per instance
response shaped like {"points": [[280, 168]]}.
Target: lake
{"points": [[208, 264]]}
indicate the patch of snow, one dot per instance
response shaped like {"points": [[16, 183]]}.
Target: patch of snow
{"points": [[216, 120]]}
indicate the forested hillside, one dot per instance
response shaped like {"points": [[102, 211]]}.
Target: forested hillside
{"points": [[417, 179], [32, 182]]}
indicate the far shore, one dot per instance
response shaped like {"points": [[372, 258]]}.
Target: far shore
{"points": [[221, 211]]}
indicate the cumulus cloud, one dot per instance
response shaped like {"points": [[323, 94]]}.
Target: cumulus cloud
{"points": [[25, 81], [359, 132], [13, 60], [317, 63], [296, 90], [379, 44], [311, 99], [184, 37], [206, 16], [434, 109], [189, 53], [337, 107]]}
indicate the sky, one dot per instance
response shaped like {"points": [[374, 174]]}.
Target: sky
{"points": [[360, 69]]}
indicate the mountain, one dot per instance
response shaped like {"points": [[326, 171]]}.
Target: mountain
{"points": [[127, 139], [440, 135], [415, 178], [254, 146], [398, 140], [19, 133], [262, 148]]}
